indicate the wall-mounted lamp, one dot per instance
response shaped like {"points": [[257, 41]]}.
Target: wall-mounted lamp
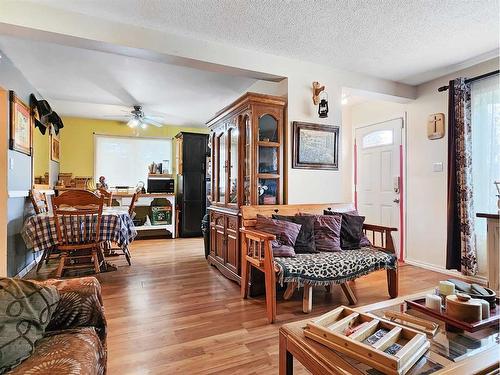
{"points": [[323, 105], [317, 88], [320, 98]]}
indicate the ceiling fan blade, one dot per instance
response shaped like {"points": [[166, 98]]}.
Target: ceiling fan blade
{"points": [[150, 121], [155, 117], [121, 118]]}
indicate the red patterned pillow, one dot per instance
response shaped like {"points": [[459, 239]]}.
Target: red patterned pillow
{"points": [[286, 234]]}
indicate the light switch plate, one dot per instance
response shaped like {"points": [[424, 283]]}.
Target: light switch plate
{"points": [[437, 167], [11, 163]]}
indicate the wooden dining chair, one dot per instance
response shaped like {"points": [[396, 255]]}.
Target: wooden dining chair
{"points": [[112, 251], [77, 216], [108, 196], [41, 206], [39, 201]]}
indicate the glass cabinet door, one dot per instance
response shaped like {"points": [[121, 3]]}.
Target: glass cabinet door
{"points": [[268, 160], [247, 166], [268, 189], [232, 135], [221, 168], [268, 129]]}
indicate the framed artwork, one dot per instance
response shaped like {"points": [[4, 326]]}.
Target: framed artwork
{"points": [[20, 125], [55, 150], [315, 146]]}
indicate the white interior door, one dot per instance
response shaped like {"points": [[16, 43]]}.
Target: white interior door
{"points": [[378, 186]]}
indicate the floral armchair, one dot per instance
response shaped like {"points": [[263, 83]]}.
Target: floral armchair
{"points": [[75, 338]]}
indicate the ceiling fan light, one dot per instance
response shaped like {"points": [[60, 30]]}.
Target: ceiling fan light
{"points": [[133, 123], [144, 125]]}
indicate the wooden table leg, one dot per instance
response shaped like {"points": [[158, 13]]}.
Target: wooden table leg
{"points": [[285, 358], [290, 288], [349, 294], [307, 299]]}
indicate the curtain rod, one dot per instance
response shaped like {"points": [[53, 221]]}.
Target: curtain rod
{"points": [[486, 75]]}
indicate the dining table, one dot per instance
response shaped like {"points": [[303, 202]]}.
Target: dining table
{"points": [[39, 231]]}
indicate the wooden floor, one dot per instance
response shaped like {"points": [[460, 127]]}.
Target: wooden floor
{"points": [[171, 313]]}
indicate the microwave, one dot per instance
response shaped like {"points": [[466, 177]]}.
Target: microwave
{"points": [[160, 185]]}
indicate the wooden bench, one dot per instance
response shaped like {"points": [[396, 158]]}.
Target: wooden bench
{"points": [[257, 252]]}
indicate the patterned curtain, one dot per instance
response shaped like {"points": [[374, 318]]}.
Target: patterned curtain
{"points": [[461, 244]]}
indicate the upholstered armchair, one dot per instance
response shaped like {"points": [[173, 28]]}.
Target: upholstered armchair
{"points": [[75, 338]]}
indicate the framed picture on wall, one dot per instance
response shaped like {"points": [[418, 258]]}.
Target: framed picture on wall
{"points": [[20, 125], [55, 150], [315, 146]]}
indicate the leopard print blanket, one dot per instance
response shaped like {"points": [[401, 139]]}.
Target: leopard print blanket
{"points": [[328, 268]]}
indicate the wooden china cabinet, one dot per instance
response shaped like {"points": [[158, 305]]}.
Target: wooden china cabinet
{"points": [[247, 143]]}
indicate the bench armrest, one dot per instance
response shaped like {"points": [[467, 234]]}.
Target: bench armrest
{"points": [[257, 248], [381, 237], [379, 228], [257, 234]]}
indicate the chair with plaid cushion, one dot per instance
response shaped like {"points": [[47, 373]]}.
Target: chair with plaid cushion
{"points": [[39, 201], [112, 251], [77, 216]]}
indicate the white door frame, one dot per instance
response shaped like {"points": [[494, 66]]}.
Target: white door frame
{"points": [[403, 173]]}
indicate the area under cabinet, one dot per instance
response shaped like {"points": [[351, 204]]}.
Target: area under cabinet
{"points": [[224, 237]]}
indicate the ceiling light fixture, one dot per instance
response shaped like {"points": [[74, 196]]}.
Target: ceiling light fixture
{"points": [[133, 123]]}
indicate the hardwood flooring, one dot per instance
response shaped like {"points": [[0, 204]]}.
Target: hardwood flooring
{"points": [[171, 313]]}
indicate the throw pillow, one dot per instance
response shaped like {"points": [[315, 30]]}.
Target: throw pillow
{"points": [[305, 240], [351, 233], [365, 242], [286, 234], [327, 232], [25, 310]]}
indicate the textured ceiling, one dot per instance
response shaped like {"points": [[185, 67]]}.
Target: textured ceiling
{"points": [[409, 41], [87, 83]]}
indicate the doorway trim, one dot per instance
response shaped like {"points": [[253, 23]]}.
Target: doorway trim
{"points": [[403, 168]]}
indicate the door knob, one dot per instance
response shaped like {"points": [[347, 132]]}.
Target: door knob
{"points": [[396, 200]]}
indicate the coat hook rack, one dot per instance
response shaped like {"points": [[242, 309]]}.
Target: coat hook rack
{"points": [[317, 88]]}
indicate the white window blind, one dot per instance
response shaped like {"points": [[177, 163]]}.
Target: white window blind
{"points": [[124, 160]]}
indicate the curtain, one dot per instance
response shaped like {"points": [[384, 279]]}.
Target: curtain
{"points": [[461, 242], [485, 110]]}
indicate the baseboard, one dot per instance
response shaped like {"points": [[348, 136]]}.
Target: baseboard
{"points": [[455, 273], [30, 266]]}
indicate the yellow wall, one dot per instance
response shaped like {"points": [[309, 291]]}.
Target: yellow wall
{"points": [[77, 140]]}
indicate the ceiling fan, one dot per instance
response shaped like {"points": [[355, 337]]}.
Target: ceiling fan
{"points": [[137, 118]]}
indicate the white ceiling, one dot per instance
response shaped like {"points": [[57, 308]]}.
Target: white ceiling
{"points": [[409, 41], [87, 83]]}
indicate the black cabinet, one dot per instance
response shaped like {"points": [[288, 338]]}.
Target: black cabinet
{"points": [[191, 153]]}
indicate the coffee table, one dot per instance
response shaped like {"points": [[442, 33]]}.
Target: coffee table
{"points": [[450, 352]]}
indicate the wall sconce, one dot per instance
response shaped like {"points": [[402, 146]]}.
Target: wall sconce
{"points": [[320, 98], [317, 88], [323, 105]]}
